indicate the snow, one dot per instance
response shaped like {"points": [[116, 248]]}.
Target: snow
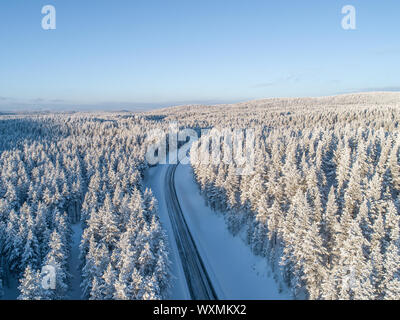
{"points": [[155, 179], [75, 292], [236, 272], [11, 291]]}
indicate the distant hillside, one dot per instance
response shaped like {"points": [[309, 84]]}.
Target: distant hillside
{"points": [[202, 112]]}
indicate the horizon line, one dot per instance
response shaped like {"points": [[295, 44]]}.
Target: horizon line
{"points": [[153, 106]]}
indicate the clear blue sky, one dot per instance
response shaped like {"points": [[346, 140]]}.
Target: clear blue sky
{"points": [[128, 53]]}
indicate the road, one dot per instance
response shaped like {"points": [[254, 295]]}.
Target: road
{"points": [[197, 278]]}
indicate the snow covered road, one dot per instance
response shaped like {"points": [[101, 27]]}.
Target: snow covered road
{"points": [[198, 280], [234, 271]]}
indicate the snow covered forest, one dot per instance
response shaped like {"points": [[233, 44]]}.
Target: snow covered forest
{"points": [[59, 170], [322, 205]]}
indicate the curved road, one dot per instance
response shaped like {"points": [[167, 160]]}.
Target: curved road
{"points": [[198, 281]]}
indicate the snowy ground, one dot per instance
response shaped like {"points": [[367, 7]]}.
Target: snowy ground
{"points": [[10, 291], [156, 180], [236, 273], [75, 292]]}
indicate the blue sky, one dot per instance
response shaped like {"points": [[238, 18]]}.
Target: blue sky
{"points": [[125, 54]]}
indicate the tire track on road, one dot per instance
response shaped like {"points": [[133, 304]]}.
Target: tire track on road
{"points": [[197, 278]]}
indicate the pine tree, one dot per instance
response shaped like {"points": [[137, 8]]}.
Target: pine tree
{"points": [[95, 292], [353, 270], [313, 260], [30, 285], [146, 260], [162, 269], [109, 278], [330, 226], [151, 290], [376, 256], [121, 289], [110, 223], [136, 286], [391, 277], [57, 259], [31, 253]]}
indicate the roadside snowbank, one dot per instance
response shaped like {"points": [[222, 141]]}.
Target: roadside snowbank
{"points": [[156, 180], [235, 271]]}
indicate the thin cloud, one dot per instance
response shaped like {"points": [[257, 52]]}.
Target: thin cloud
{"points": [[289, 78], [264, 85]]}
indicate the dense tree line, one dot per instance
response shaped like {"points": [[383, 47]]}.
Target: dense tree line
{"points": [[322, 204], [123, 249], [52, 167]]}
